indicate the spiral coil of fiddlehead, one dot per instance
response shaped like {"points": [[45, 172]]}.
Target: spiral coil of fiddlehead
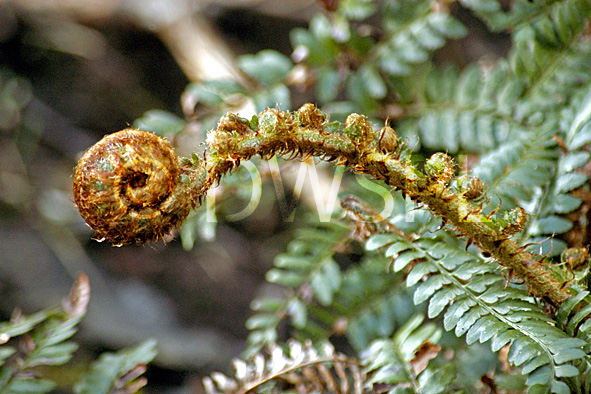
{"points": [[131, 187]]}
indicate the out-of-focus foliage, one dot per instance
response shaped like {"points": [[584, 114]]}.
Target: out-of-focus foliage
{"points": [[300, 366], [42, 339], [118, 372]]}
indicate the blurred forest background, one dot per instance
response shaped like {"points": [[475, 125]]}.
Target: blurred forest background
{"points": [[74, 70]]}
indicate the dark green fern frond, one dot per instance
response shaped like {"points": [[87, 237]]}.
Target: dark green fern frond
{"points": [[576, 134], [413, 32], [516, 170], [371, 303], [15, 365], [370, 72], [470, 112], [531, 172], [543, 67], [561, 24], [550, 55], [477, 110], [482, 307], [308, 272], [359, 302], [40, 339], [401, 364], [554, 74], [573, 318], [536, 12], [556, 198], [300, 367], [537, 173]]}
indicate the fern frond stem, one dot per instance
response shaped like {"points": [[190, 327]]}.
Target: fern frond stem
{"points": [[306, 132], [519, 263], [556, 60], [411, 375]]}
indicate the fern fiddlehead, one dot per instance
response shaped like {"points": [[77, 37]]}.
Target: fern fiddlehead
{"points": [[131, 187], [307, 132]]}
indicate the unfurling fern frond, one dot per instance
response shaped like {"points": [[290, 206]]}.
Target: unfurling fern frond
{"points": [[483, 308], [301, 367], [402, 362]]}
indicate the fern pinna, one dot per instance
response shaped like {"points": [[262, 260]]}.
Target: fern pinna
{"points": [[308, 267], [301, 366], [323, 299], [31, 344], [27, 342]]}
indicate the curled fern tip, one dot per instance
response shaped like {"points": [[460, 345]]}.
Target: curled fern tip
{"points": [[131, 187]]}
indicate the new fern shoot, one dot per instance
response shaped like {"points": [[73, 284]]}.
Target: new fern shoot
{"points": [[356, 145], [492, 160]]}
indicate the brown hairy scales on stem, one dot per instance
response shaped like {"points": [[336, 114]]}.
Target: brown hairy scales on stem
{"points": [[131, 187]]}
